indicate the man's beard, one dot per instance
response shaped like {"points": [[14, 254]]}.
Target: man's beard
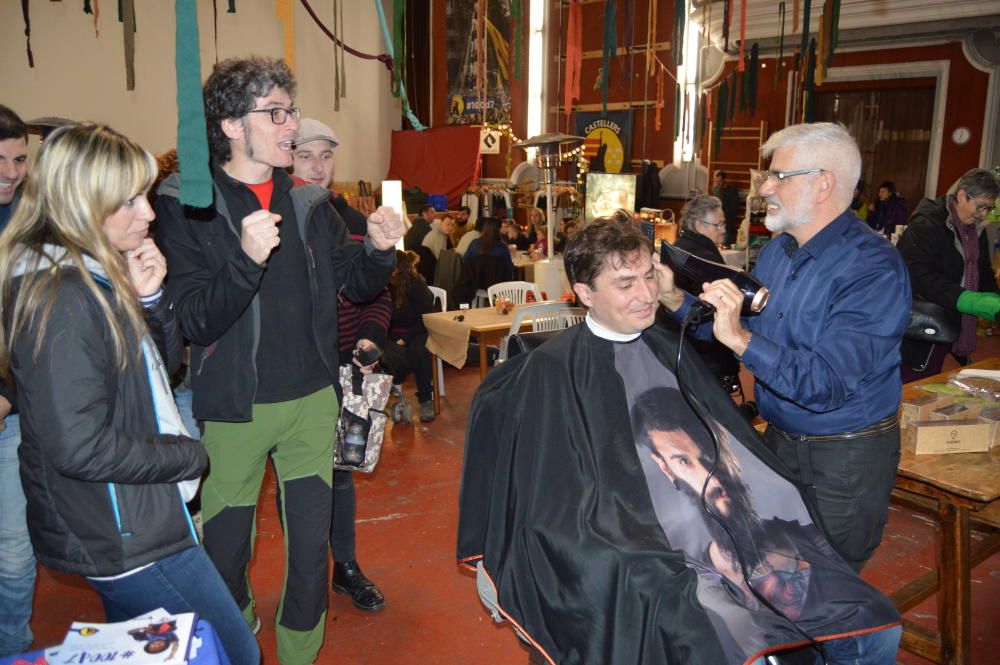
{"points": [[788, 217], [742, 520]]}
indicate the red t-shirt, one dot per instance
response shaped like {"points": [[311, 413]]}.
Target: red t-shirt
{"points": [[263, 192]]}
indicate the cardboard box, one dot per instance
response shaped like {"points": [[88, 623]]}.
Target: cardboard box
{"points": [[920, 407], [949, 436]]}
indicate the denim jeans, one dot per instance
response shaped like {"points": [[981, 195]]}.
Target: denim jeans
{"points": [[182, 582], [17, 561], [878, 648]]}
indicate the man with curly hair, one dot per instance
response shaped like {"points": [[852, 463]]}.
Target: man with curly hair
{"points": [[255, 279]]}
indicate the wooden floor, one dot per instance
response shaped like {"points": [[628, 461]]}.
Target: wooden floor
{"points": [[406, 543]]}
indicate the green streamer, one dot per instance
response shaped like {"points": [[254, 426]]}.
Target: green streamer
{"points": [[721, 112], [192, 135], [232, 7], [810, 82], [87, 9], [753, 74], [517, 18], [610, 48]]}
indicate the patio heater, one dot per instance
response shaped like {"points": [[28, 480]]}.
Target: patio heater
{"points": [[549, 149]]}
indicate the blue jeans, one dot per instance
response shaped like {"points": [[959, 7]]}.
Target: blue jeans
{"points": [[878, 648], [17, 561], [182, 582]]}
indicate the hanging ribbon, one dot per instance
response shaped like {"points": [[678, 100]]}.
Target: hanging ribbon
{"points": [[678, 112], [808, 110], [128, 25], [399, 44], [337, 64], [727, 18], [677, 43], [232, 7], [743, 33], [27, 32], [192, 142], [417, 125], [805, 25], [721, 113], [733, 87], [821, 46], [795, 16], [93, 7], [574, 55], [660, 102], [610, 48], [781, 47], [285, 10], [833, 30], [629, 10], [384, 58], [754, 76], [517, 18], [651, 39]]}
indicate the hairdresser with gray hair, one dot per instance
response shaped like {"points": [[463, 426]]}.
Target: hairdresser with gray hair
{"points": [[825, 351]]}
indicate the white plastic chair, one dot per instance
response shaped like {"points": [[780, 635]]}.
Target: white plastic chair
{"points": [[543, 316], [440, 296], [516, 292]]}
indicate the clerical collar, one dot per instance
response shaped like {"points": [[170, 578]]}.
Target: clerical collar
{"points": [[604, 333]]}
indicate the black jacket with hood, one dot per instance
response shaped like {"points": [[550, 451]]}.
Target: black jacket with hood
{"points": [[215, 284], [100, 480]]}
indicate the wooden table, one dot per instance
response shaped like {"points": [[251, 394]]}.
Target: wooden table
{"points": [[525, 266], [959, 487]]}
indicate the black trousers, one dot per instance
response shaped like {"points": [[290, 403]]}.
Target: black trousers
{"points": [[413, 357], [850, 481]]}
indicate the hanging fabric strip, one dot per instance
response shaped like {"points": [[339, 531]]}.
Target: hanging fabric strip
{"points": [[744, 81], [517, 18], [336, 58], [721, 113], [215, 28], [574, 55], [629, 18], [821, 45], [727, 18], [651, 39], [702, 122], [339, 47], [285, 11], [129, 28], [398, 44], [384, 58], [678, 112], [733, 87], [809, 86], [677, 43], [743, 33], [192, 142], [805, 25], [795, 16], [417, 125], [232, 7], [660, 102], [27, 32], [778, 70], [93, 7], [754, 76], [610, 48], [834, 30]]}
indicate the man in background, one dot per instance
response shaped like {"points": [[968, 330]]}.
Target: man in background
{"points": [[17, 560], [730, 199]]}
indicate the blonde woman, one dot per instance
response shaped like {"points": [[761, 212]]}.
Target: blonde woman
{"points": [[89, 339]]}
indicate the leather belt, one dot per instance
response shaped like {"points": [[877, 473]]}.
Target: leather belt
{"points": [[881, 427]]}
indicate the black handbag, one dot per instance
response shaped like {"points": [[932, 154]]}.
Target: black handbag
{"points": [[931, 323]]}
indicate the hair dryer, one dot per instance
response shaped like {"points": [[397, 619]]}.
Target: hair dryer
{"points": [[754, 293]]}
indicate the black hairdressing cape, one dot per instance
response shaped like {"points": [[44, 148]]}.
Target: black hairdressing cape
{"points": [[555, 504]]}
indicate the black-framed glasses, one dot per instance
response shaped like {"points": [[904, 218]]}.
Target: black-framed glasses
{"points": [[279, 116], [778, 177], [981, 208]]}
